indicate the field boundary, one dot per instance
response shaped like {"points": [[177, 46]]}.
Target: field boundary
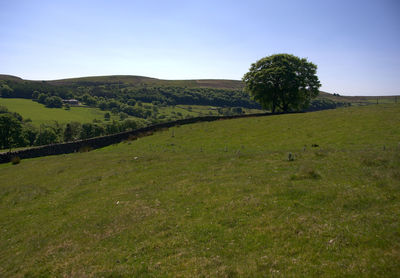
{"points": [[103, 141]]}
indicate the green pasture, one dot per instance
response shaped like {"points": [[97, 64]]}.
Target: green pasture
{"points": [[361, 100], [218, 199], [198, 110], [40, 114]]}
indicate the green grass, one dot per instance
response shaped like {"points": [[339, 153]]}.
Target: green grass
{"points": [[198, 110], [39, 114], [188, 110], [361, 100], [215, 199]]}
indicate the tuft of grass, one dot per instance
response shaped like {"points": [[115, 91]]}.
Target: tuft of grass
{"points": [[321, 153], [306, 172], [375, 161]]}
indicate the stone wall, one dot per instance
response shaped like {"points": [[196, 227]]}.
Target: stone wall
{"points": [[103, 141]]}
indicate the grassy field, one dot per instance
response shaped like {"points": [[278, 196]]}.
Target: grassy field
{"points": [[198, 110], [361, 100], [39, 114], [217, 199]]}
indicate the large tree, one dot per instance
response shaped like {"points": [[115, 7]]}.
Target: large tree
{"points": [[10, 131], [282, 82], [53, 102], [6, 91]]}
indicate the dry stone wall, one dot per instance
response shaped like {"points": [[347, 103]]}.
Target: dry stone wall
{"points": [[103, 141]]}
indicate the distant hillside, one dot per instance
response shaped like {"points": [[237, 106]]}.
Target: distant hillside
{"points": [[92, 90], [10, 77], [137, 81], [214, 92]]}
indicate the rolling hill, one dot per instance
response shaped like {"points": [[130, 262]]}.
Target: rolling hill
{"points": [[142, 81], [132, 80]]}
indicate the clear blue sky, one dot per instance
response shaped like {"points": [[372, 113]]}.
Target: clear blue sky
{"points": [[355, 44]]}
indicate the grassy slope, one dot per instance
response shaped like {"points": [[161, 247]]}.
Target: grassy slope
{"points": [[198, 110], [214, 199], [40, 114], [360, 100], [10, 77]]}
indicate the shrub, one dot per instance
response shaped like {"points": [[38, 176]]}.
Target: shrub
{"points": [[114, 110], [53, 102], [15, 160], [123, 116], [131, 102], [46, 136], [237, 110], [102, 105], [42, 98]]}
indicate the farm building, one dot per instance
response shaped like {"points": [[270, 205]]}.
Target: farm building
{"points": [[71, 101]]}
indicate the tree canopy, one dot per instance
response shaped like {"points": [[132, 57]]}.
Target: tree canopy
{"points": [[282, 82], [10, 131]]}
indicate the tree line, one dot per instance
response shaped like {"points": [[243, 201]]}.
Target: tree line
{"points": [[15, 131], [162, 94]]}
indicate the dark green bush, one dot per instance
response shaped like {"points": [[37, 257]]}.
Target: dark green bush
{"points": [[15, 160]]}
